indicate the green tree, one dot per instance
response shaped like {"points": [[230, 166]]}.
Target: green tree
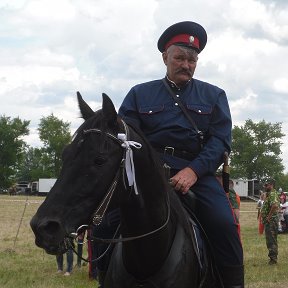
{"points": [[11, 147], [35, 165], [256, 149], [55, 135], [283, 182]]}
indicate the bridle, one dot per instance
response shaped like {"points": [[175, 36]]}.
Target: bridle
{"points": [[126, 168]]}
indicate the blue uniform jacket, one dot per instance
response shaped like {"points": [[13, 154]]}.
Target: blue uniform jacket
{"points": [[153, 110]]}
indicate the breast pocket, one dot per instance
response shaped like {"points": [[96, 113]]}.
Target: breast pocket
{"points": [[201, 114], [152, 116]]}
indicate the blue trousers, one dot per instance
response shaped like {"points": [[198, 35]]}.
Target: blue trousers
{"points": [[69, 256], [214, 212]]}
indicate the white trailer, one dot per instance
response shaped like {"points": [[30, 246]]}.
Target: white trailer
{"points": [[247, 188], [45, 185], [241, 187]]}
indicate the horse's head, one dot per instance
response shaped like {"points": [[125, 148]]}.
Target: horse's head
{"points": [[90, 164]]}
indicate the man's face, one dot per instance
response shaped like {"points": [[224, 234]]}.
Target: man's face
{"points": [[268, 187], [181, 63]]}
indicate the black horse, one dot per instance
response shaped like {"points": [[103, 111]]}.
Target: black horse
{"points": [[110, 164]]}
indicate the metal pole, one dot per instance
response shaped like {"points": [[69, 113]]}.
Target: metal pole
{"points": [[26, 202]]}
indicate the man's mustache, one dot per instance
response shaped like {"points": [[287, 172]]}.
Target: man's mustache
{"points": [[184, 71]]}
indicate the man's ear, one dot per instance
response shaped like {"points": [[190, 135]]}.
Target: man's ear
{"points": [[164, 57]]}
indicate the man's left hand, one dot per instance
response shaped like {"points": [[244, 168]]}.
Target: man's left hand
{"points": [[183, 180]]}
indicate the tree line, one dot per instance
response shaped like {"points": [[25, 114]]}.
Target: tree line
{"points": [[21, 162], [256, 151]]}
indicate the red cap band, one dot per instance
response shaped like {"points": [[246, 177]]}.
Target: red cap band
{"points": [[186, 39]]}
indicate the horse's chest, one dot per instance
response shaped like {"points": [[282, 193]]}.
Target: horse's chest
{"points": [[178, 270]]}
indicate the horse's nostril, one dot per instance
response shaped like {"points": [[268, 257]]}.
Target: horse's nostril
{"points": [[52, 227], [51, 230], [49, 235]]}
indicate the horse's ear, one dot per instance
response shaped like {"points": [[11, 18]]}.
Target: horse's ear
{"points": [[109, 111], [85, 109]]}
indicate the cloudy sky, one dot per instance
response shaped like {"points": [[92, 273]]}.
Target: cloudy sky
{"points": [[49, 49]]}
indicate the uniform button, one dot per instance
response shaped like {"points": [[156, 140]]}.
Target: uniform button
{"points": [[177, 96], [176, 104], [150, 111], [199, 111]]}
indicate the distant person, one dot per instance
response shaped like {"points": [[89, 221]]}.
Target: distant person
{"points": [[259, 206], [270, 218], [284, 217], [69, 257], [80, 241], [260, 203], [234, 200], [233, 197], [282, 197], [12, 190], [283, 213]]}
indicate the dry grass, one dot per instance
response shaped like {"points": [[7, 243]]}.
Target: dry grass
{"points": [[258, 274], [22, 264]]}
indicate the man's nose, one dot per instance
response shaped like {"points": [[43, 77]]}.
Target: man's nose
{"points": [[185, 64]]}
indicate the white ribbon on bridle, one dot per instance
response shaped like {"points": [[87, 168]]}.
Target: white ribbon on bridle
{"points": [[129, 163]]}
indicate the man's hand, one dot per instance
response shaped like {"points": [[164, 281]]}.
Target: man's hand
{"points": [[183, 180]]}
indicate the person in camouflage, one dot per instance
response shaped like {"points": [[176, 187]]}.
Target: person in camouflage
{"points": [[269, 214], [234, 200]]}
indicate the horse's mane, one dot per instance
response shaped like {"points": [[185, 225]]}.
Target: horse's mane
{"points": [[176, 205], [155, 160]]}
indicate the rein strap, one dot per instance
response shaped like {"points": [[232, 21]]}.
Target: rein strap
{"points": [[101, 210]]}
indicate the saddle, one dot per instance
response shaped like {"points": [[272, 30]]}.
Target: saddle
{"points": [[201, 244]]}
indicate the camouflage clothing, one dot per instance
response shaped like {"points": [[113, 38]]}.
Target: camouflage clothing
{"points": [[271, 232], [271, 227], [233, 199], [271, 198]]}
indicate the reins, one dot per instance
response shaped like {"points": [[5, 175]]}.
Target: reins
{"points": [[71, 246], [126, 239], [127, 161]]}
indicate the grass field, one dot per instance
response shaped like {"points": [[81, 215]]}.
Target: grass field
{"points": [[22, 264]]}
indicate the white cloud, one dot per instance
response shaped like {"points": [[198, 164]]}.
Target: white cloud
{"points": [[281, 85], [49, 49]]}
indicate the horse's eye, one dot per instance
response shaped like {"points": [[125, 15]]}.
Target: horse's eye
{"points": [[99, 160]]}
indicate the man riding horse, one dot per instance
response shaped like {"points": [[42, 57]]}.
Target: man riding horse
{"points": [[193, 149]]}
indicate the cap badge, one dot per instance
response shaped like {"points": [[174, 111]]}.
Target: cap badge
{"points": [[191, 39]]}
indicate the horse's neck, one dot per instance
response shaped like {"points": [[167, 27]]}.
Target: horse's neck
{"points": [[150, 204], [148, 211], [152, 189]]}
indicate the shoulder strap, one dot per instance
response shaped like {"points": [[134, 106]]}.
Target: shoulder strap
{"points": [[183, 108]]}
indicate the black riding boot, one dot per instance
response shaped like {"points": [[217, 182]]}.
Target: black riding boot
{"points": [[101, 277], [233, 276]]}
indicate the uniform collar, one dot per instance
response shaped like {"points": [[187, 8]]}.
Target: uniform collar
{"points": [[174, 86]]}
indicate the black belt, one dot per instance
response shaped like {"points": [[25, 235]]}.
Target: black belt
{"points": [[168, 150]]}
